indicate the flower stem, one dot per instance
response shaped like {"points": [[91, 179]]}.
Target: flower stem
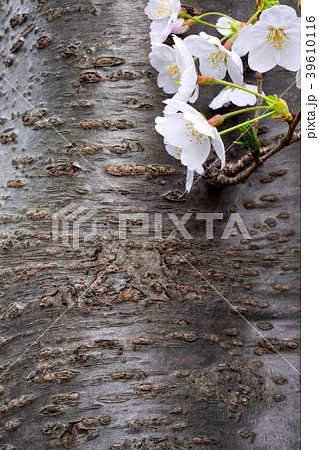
{"points": [[245, 123], [211, 80], [195, 19], [255, 15], [240, 111], [215, 14], [225, 37]]}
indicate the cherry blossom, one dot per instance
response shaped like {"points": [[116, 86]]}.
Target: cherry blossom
{"points": [[163, 13], [163, 59], [177, 71], [189, 137], [236, 96], [274, 39], [214, 59]]}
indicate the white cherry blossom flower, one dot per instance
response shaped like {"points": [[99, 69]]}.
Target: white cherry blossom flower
{"points": [[177, 71], [188, 89], [163, 13], [227, 25], [236, 96], [163, 59], [214, 59], [274, 39], [189, 137]]}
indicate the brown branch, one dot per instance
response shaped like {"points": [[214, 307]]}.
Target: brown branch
{"points": [[235, 173], [259, 80], [292, 127]]}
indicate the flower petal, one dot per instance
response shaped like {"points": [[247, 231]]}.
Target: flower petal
{"points": [[211, 39], [252, 87], [278, 16], [168, 84], [235, 68], [176, 131], [215, 42], [262, 58], [160, 29], [151, 9], [243, 42], [176, 9], [221, 99], [199, 123], [224, 22], [289, 56], [195, 95], [213, 64], [293, 30], [188, 90], [173, 151], [158, 9], [183, 55], [161, 56], [243, 98], [159, 121], [250, 37], [219, 147], [197, 45], [199, 170], [196, 155], [177, 105], [189, 179]]}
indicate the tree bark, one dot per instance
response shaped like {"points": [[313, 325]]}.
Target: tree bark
{"points": [[126, 343]]}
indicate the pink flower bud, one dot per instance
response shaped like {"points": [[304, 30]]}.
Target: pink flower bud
{"points": [[228, 44], [216, 120], [180, 26]]}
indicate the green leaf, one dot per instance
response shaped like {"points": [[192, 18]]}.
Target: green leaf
{"points": [[249, 137]]}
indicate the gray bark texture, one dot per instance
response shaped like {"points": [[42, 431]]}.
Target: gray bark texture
{"points": [[123, 344]]}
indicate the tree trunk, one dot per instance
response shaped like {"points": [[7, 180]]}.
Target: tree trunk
{"points": [[123, 343]]}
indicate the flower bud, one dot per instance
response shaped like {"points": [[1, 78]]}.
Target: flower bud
{"points": [[236, 26], [205, 80], [216, 120], [229, 43], [280, 107], [181, 26]]}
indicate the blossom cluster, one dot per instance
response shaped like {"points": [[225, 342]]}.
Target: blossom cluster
{"points": [[270, 38]]}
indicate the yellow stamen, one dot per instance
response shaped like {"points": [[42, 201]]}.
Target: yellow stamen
{"points": [[216, 58], [173, 72], [194, 134], [163, 8], [277, 38]]}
